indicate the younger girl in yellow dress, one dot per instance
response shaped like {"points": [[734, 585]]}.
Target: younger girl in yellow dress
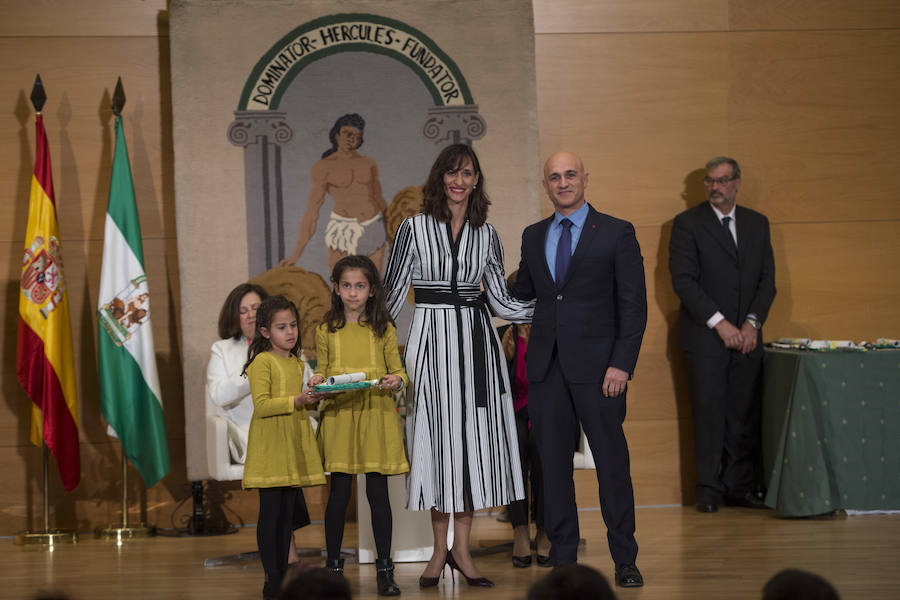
{"points": [[282, 454], [359, 430]]}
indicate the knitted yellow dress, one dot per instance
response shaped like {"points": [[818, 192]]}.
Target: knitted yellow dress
{"points": [[281, 445], [359, 430]]}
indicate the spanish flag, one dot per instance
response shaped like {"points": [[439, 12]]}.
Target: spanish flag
{"points": [[44, 363]]}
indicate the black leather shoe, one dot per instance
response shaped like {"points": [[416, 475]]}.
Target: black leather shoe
{"points": [[628, 576], [707, 507], [384, 577], [544, 561], [521, 562], [748, 500]]}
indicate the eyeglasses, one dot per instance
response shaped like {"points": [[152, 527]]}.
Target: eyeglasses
{"points": [[709, 181]]}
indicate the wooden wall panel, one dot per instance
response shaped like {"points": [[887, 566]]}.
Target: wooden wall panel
{"points": [[79, 124], [644, 112], [836, 280], [813, 119], [800, 15], [98, 18], [592, 16]]}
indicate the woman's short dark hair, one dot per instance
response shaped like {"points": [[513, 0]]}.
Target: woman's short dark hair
{"points": [[230, 315], [435, 202]]}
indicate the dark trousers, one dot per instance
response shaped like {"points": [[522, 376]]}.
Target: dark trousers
{"points": [[556, 407], [281, 510], [727, 415], [531, 475], [336, 513]]}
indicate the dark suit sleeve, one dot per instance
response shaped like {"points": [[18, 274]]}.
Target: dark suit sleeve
{"points": [[524, 286], [631, 301], [765, 289], [684, 265]]}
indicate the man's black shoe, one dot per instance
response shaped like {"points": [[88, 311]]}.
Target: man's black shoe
{"points": [[707, 507], [628, 576]]}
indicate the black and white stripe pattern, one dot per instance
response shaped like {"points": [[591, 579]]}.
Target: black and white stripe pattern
{"points": [[448, 431]]}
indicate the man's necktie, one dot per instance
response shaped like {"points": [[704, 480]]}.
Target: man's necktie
{"points": [[564, 250], [726, 221]]}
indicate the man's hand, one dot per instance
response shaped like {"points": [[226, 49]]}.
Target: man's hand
{"points": [[730, 335], [614, 382], [750, 336]]}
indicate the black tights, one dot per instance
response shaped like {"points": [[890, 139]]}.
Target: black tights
{"points": [[336, 512], [273, 532]]}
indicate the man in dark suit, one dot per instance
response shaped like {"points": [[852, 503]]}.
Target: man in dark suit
{"points": [[723, 270], [586, 271]]}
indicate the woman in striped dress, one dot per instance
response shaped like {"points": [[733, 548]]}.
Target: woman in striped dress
{"points": [[463, 450]]}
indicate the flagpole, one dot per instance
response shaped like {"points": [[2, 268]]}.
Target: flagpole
{"points": [[46, 502], [124, 532], [46, 535]]}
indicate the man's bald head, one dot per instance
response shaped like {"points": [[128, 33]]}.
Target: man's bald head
{"points": [[565, 181]]}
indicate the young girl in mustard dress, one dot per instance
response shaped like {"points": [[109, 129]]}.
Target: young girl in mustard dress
{"points": [[359, 430], [282, 454]]}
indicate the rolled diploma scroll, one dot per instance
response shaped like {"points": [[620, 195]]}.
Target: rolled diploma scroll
{"points": [[345, 378]]}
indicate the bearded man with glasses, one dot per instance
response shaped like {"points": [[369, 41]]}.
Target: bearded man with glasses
{"points": [[723, 271]]}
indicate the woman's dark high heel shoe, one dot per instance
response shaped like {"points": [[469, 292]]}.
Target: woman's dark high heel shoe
{"points": [[473, 581], [427, 582], [521, 562]]}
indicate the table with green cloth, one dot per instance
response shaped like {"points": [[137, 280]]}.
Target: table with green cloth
{"points": [[831, 431]]}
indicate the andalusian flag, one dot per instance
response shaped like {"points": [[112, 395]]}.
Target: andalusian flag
{"points": [[129, 386], [44, 364]]}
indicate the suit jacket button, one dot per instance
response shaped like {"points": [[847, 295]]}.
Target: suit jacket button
{"points": [[559, 297]]}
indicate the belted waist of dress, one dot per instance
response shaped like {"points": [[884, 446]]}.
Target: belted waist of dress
{"points": [[473, 298]]}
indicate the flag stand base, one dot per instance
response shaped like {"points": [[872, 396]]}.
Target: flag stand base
{"points": [[121, 534], [124, 531], [48, 537]]}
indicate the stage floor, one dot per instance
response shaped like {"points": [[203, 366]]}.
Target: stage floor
{"points": [[683, 555]]}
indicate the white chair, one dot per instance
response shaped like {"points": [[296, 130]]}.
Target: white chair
{"points": [[218, 456], [584, 458]]}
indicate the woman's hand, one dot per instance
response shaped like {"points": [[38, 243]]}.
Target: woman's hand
{"points": [[390, 382]]}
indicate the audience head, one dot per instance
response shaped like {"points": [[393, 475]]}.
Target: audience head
{"points": [[794, 584], [238, 315], [452, 159], [315, 584], [572, 582]]}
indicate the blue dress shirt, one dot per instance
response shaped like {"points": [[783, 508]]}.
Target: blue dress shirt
{"points": [[555, 230]]}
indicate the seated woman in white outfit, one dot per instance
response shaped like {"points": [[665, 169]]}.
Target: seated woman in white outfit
{"points": [[226, 388]]}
